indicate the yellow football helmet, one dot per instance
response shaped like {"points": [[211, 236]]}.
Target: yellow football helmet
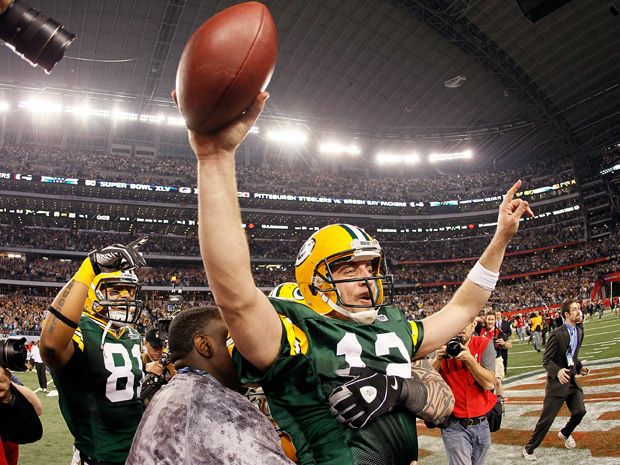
{"points": [[338, 243], [112, 296], [288, 291]]}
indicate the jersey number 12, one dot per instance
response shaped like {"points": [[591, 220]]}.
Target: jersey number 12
{"points": [[351, 348]]}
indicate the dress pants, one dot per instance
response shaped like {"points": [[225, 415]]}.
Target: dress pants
{"points": [[551, 407], [41, 375]]}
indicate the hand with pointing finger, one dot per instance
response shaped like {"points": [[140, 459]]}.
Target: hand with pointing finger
{"points": [[117, 257], [511, 211]]}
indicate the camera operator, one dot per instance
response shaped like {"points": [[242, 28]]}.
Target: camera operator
{"points": [[467, 364], [501, 345], [155, 354], [19, 406], [156, 365]]}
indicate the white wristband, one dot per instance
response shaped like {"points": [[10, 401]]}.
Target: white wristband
{"points": [[482, 277]]}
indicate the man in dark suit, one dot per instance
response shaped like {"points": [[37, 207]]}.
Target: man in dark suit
{"points": [[505, 326], [561, 360]]}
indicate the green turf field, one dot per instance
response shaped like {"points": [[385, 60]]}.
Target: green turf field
{"points": [[602, 341], [55, 447]]}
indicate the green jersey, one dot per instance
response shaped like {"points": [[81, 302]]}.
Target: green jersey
{"points": [[98, 390], [316, 356]]}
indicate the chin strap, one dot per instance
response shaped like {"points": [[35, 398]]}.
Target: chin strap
{"points": [[105, 331], [366, 317]]}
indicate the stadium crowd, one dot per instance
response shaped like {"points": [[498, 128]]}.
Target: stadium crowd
{"points": [[23, 313], [54, 270], [58, 162], [416, 191], [285, 244], [514, 295]]}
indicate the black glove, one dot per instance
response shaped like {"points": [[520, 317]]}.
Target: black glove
{"points": [[118, 257], [365, 398]]}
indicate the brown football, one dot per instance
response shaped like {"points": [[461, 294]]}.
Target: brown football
{"points": [[226, 63]]}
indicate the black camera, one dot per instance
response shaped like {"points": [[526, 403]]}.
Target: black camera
{"points": [[453, 347], [36, 37], [13, 354], [151, 383]]}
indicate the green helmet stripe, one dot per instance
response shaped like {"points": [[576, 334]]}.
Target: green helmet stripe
{"points": [[355, 232]]}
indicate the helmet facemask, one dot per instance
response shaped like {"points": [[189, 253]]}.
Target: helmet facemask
{"points": [[324, 283], [318, 278], [111, 303]]}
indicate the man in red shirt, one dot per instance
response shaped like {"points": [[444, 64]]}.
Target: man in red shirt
{"points": [[500, 342], [520, 326], [470, 374]]}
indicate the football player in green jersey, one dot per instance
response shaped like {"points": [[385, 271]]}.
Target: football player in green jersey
{"points": [[94, 354], [300, 353]]}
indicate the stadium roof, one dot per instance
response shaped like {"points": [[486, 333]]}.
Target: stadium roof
{"points": [[375, 68]]}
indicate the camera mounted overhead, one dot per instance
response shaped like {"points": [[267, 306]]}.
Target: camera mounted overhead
{"points": [[37, 38]]}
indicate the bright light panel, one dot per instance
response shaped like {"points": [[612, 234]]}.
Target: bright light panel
{"points": [[383, 158], [338, 149], [288, 136], [4, 106], [84, 111], [435, 157], [155, 119], [175, 121], [40, 106], [124, 116]]}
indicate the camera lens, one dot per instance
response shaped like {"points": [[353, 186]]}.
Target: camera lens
{"points": [[13, 354], [40, 39], [453, 347]]}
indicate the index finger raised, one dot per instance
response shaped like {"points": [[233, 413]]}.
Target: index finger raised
{"points": [[138, 242], [512, 191]]}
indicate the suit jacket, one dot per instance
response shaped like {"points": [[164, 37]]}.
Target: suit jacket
{"points": [[554, 359], [506, 327]]}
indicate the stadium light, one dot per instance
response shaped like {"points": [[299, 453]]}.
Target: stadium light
{"points": [[288, 136], [154, 119], [84, 111], [4, 106], [79, 111], [175, 121], [335, 148], [124, 116], [383, 158], [40, 106], [435, 157]]}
